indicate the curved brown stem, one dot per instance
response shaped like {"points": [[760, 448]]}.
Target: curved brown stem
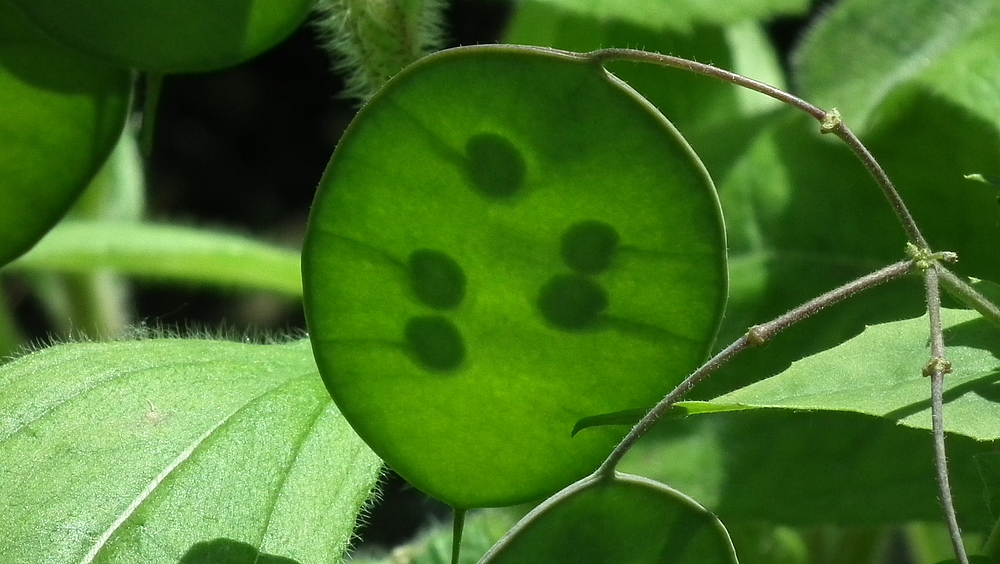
{"points": [[830, 121]]}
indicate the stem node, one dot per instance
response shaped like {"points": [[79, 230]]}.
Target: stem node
{"points": [[831, 121], [924, 258], [756, 336], [937, 365]]}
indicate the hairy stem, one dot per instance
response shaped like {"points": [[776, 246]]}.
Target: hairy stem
{"points": [[757, 335], [830, 122], [936, 369], [968, 295], [615, 54], [372, 41]]}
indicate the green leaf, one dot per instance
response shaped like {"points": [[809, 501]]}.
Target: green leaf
{"points": [[809, 468], [969, 74], [163, 450], [880, 373], [62, 115], [169, 37], [164, 252], [506, 161], [678, 15], [626, 519], [863, 49]]}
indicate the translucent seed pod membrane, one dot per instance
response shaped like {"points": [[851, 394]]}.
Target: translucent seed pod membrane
{"points": [[508, 240]]}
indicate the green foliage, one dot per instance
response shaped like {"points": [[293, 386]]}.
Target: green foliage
{"points": [[587, 254], [715, 117], [483, 528], [97, 303], [156, 450], [806, 469], [511, 256]]}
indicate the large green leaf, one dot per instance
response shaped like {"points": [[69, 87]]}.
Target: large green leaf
{"points": [[166, 36], [62, 114], [625, 519], [863, 49], [163, 450], [505, 241], [880, 373]]}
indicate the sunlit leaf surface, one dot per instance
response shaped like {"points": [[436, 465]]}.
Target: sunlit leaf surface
{"points": [[880, 373], [861, 50], [170, 450]]}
